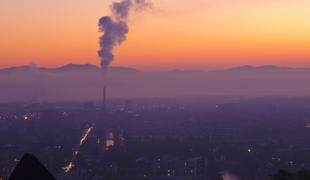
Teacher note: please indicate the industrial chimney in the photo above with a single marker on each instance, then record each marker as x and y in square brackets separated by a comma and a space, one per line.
[104, 99]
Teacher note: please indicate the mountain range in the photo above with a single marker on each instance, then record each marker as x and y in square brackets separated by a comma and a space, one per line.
[85, 81]
[93, 68]
[66, 68]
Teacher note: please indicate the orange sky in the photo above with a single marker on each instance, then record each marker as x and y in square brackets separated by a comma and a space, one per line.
[176, 34]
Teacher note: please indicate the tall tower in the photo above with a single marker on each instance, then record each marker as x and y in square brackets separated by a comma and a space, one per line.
[104, 99]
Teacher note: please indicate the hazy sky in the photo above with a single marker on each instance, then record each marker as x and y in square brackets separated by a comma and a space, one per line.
[176, 34]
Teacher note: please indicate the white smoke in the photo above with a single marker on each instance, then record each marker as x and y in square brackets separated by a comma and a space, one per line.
[115, 27]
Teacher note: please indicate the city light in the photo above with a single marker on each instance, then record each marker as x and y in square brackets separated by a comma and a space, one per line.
[85, 135]
[68, 167]
[71, 165]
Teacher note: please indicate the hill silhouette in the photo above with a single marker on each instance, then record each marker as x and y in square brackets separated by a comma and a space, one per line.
[30, 168]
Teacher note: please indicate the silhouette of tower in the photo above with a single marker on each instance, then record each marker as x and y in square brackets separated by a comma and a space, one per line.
[104, 99]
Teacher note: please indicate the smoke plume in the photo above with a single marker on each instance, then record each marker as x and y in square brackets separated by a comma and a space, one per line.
[115, 27]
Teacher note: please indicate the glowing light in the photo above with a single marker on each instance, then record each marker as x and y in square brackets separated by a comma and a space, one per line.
[109, 141]
[69, 167]
[84, 137]
[229, 176]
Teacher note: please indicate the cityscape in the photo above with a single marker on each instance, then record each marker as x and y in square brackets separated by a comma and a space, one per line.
[160, 138]
[154, 90]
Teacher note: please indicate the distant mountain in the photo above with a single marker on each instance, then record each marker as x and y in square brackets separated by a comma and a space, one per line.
[89, 68]
[67, 68]
[270, 68]
[241, 68]
[76, 67]
[85, 82]
[18, 69]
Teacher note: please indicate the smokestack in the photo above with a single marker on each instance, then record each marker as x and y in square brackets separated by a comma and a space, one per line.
[115, 27]
[104, 99]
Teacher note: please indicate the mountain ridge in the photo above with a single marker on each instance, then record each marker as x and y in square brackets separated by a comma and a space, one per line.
[118, 69]
[67, 68]
[245, 68]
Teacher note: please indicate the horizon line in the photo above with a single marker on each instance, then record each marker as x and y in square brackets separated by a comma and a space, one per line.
[173, 68]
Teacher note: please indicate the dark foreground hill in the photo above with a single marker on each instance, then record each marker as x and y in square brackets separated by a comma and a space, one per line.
[30, 168]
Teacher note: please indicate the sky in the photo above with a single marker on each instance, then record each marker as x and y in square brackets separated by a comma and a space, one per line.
[199, 34]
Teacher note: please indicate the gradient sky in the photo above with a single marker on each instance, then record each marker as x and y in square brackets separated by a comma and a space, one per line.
[176, 34]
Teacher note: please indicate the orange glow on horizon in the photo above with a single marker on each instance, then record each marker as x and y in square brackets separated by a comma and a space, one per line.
[181, 35]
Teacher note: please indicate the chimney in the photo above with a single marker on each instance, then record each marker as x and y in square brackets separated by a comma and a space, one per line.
[104, 99]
